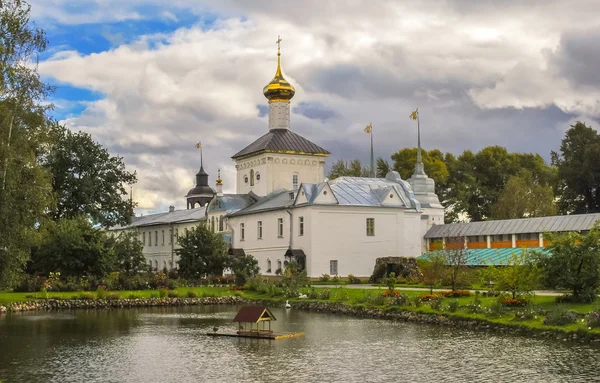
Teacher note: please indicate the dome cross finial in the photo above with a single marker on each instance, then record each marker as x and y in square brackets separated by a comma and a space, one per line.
[279, 40]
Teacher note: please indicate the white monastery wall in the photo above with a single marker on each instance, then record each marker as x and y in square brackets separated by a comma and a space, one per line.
[276, 172]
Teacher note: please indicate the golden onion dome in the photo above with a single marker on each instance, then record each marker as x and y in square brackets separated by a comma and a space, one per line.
[279, 89]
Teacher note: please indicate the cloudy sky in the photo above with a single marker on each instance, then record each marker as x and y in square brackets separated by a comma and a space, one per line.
[150, 78]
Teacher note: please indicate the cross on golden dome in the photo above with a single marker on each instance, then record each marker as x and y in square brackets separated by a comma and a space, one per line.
[279, 89]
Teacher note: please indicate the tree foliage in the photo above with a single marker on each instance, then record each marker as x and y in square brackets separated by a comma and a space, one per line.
[520, 274]
[578, 170]
[342, 168]
[524, 197]
[433, 160]
[383, 168]
[128, 253]
[24, 185]
[72, 247]
[432, 267]
[202, 253]
[243, 268]
[87, 179]
[455, 255]
[574, 263]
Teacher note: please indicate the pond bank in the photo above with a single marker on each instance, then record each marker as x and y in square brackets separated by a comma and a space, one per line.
[72, 304]
[394, 313]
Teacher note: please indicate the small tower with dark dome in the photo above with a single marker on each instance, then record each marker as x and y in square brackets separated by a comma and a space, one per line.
[202, 193]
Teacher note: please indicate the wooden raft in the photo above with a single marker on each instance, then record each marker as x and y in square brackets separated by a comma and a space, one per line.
[250, 316]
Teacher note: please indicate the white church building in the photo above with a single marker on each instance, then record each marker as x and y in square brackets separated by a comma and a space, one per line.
[284, 209]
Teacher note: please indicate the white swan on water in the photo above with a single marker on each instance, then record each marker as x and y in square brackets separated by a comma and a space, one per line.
[287, 304]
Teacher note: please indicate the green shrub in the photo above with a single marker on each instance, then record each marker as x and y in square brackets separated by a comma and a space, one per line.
[154, 295]
[453, 306]
[593, 319]
[43, 293]
[86, 296]
[324, 278]
[254, 283]
[436, 303]
[527, 313]
[163, 293]
[172, 284]
[352, 280]
[191, 294]
[496, 309]
[560, 317]
[134, 296]
[335, 279]
[390, 281]
[113, 296]
[401, 300]
[172, 294]
[474, 306]
[417, 301]
[101, 292]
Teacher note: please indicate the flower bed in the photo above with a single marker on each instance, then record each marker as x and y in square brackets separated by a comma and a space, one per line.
[513, 302]
[429, 297]
[455, 293]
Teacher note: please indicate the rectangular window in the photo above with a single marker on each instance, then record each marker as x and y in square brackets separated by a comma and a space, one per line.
[176, 235]
[295, 182]
[333, 267]
[144, 238]
[163, 237]
[280, 227]
[170, 236]
[259, 230]
[300, 225]
[370, 227]
[156, 238]
[242, 232]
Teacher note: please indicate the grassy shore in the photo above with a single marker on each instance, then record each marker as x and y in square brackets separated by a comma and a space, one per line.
[7, 297]
[542, 304]
[367, 298]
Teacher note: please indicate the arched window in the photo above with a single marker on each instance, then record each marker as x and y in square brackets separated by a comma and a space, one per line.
[155, 265]
[164, 264]
[268, 265]
[150, 262]
[279, 267]
[295, 181]
[220, 223]
[252, 177]
[212, 224]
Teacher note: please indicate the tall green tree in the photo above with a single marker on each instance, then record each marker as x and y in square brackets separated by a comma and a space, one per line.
[87, 179]
[476, 180]
[202, 253]
[74, 248]
[519, 274]
[342, 168]
[128, 253]
[243, 268]
[574, 263]
[24, 186]
[383, 168]
[523, 197]
[433, 160]
[578, 170]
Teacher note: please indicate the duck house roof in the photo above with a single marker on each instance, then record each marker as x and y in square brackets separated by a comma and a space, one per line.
[254, 314]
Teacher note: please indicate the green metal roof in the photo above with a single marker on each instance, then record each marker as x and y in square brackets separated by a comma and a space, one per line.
[487, 257]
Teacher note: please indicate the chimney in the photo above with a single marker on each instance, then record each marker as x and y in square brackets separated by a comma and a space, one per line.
[219, 184]
[171, 209]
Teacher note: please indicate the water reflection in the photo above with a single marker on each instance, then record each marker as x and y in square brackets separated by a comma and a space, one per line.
[169, 345]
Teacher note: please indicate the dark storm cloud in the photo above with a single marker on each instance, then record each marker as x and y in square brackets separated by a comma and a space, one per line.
[314, 110]
[577, 57]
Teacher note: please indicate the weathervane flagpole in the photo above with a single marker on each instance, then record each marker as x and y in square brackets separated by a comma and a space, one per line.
[369, 131]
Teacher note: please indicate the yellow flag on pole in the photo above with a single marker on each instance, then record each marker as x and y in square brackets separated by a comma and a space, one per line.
[414, 115]
[369, 128]
[198, 145]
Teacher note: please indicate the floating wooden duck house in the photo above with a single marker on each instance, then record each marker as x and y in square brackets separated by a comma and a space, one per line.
[255, 322]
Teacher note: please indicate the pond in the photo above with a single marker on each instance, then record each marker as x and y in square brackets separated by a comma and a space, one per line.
[169, 345]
